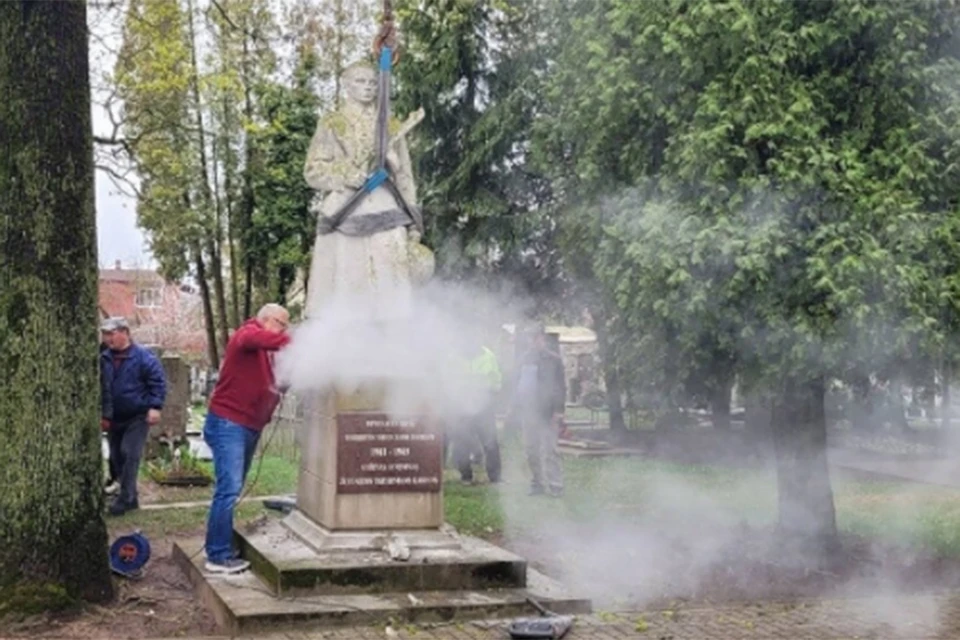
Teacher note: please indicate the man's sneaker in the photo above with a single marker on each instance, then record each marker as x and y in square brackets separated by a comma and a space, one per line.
[112, 489]
[227, 567]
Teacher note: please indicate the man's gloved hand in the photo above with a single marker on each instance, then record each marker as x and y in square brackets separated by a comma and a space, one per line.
[104, 424]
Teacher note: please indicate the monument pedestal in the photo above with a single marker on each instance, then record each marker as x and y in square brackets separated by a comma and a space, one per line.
[362, 469]
[367, 542]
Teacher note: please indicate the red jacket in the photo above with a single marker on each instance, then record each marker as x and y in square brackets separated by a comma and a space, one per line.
[245, 391]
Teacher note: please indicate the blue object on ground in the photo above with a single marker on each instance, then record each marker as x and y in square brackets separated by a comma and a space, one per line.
[129, 554]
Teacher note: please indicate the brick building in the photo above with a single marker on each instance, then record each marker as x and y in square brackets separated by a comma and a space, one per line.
[166, 314]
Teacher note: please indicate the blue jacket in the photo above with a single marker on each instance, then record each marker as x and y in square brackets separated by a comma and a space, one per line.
[138, 382]
[106, 384]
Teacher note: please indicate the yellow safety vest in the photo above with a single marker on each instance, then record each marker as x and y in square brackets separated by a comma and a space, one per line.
[485, 365]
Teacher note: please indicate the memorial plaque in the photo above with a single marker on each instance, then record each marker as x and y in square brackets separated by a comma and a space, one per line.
[380, 454]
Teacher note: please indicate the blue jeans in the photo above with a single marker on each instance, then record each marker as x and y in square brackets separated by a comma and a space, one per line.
[233, 446]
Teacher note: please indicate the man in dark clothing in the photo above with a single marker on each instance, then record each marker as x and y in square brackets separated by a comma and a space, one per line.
[106, 411]
[240, 407]
[138, 390]
[539, 402]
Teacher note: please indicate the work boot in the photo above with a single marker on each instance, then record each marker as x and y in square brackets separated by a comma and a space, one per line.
[119, 507]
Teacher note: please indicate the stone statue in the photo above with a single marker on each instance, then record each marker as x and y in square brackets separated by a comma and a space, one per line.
[376, 250]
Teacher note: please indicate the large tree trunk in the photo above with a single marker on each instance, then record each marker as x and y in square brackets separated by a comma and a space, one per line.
[807, 517]
[611, 375]
[53, 540]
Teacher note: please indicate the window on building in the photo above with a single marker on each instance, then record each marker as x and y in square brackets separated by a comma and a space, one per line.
[149, 297]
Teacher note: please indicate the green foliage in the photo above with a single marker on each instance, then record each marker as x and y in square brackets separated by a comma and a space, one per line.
[281, 232]
[472, 67]
[770, 176]
[177, 463]
[155, 91]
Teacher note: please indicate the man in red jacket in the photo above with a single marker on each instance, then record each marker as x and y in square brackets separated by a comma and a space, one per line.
[240, 407]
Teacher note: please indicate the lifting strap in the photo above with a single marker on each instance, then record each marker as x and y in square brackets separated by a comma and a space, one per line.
[380, 176]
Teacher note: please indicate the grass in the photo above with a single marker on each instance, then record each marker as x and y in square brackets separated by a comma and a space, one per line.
[275, 475]
[164, 523]
[632, 490]
[626, 490]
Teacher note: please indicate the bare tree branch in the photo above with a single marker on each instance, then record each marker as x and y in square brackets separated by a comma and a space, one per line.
[121, 181]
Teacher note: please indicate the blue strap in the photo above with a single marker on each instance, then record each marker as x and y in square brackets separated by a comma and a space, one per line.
[376, 179]
[386, 59]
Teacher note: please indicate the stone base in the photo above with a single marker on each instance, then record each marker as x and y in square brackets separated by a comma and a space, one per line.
[322, 540]
[249, 603]
[296, 557]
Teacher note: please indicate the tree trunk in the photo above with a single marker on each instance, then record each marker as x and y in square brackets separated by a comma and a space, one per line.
[228, 170]
[248, 201]
[807, 517]
[720, 403]
[861, 405]
[53, 540]
[611, 375]
[208, 322]
[946, 398]
[216, 267]
[212, 232]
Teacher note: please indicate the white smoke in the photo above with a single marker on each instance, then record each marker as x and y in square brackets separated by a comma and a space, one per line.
[420, 357]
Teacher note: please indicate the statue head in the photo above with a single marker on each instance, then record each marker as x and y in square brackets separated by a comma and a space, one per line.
[360, 82]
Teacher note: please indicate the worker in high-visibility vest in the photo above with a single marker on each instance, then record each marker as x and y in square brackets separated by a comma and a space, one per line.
[481, 423]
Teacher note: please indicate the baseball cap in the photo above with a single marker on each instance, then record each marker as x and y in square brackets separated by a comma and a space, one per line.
[114, 324]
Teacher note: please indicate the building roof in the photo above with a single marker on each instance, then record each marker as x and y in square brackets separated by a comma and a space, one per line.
[566, 334]
[131, 275]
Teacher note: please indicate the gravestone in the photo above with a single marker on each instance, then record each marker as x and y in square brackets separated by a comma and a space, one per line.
[173, 420]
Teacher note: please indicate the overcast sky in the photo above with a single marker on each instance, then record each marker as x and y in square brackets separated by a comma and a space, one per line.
[118, 237]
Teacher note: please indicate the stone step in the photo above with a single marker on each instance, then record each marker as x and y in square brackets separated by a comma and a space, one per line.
[245, 604]
[289, 566]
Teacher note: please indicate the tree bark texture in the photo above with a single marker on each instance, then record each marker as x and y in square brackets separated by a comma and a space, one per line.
[52, 532]
[807, 516]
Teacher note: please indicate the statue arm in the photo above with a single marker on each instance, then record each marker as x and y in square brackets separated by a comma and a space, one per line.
[323, 170]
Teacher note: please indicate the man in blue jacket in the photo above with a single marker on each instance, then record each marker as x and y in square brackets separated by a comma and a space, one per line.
[138, 391]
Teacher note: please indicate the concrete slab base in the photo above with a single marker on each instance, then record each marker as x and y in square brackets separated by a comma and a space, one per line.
[323, 540]
[247, 604]
[296, 557]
